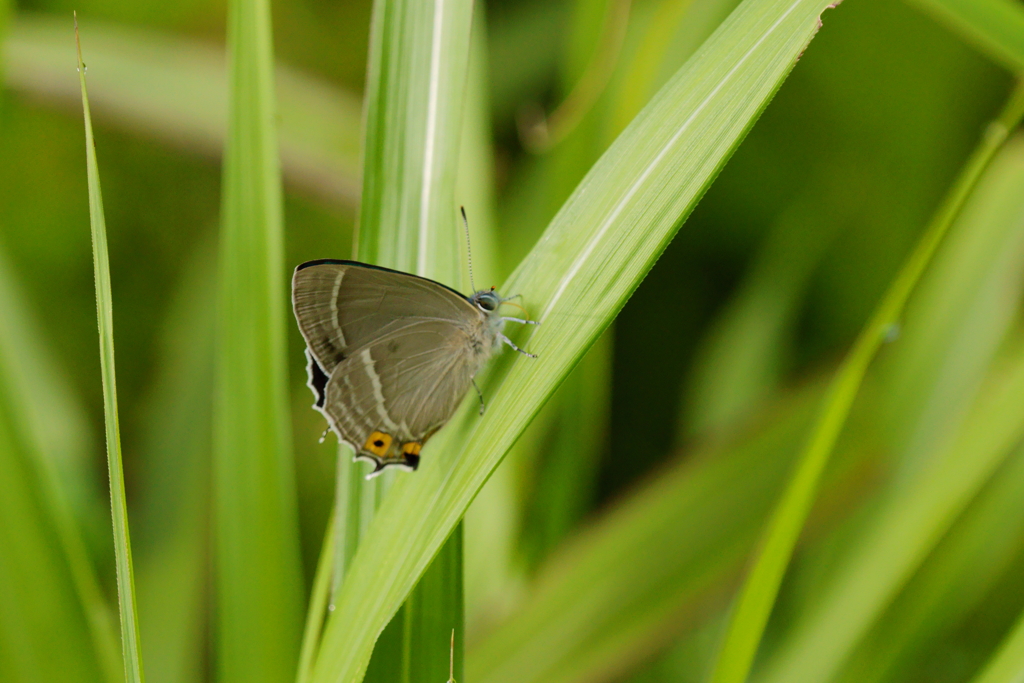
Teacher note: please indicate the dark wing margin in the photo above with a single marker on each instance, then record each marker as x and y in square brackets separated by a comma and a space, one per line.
[360, 264]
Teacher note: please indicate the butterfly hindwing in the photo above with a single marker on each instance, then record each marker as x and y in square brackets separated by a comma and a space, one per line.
[403, 386]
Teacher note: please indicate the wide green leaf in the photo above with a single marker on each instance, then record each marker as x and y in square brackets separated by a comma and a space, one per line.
[416, 89]
[258, 580]
[130, 646]
[590, 259]
[407, 221]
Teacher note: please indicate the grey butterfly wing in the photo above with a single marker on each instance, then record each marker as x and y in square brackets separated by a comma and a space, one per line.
[390, 354]
[399, 389]
[342, 306]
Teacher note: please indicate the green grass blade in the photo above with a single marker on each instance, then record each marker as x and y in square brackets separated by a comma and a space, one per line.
[968, 298]
[950, 585]
[922, 508]
[613, 594]
[174, 89]
[318, 601]
[416, 82]
[996, 27]
[904, 533]
[104, 310]
[757, 596]
[256, 557]
[414, 99]
[415, 91]
[1007, 664]
[652, 565]
[590, 259]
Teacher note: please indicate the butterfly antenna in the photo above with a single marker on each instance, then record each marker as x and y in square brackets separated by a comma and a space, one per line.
[469, 249]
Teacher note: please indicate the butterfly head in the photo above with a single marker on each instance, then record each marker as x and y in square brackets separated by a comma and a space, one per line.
[487, 300]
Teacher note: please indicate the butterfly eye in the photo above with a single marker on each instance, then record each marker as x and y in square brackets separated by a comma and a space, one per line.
[487, 303]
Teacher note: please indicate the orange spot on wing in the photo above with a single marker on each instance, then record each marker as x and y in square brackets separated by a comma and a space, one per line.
[378, 443]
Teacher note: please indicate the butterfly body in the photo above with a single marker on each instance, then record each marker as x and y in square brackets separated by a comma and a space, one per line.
[390, 354]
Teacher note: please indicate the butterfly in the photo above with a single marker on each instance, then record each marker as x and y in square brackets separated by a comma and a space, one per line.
[390, 354]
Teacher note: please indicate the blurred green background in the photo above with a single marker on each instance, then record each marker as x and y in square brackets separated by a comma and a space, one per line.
[727, 339]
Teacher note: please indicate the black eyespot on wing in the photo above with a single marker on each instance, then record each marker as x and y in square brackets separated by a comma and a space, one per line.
[411, 460]
[378, 443]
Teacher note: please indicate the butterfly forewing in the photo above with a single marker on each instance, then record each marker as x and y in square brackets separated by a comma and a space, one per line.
[341, 306]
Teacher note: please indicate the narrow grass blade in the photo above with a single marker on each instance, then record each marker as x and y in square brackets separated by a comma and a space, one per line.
[419, 52]
[904, 533]
[1007, 664]
[603, 603]
[318, 601]
[591, 258]
[104, 310]
[757, 596]
[915, 516]
[174, 89]
[654, 564]
[415, 94]
[965, 299]
[969, 298]
[256, 556]
[949, 587]
[996, 27]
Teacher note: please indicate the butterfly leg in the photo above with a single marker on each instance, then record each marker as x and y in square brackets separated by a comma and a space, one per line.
[520, 320]
[509, 342]
[480, 394]
[509, 298]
